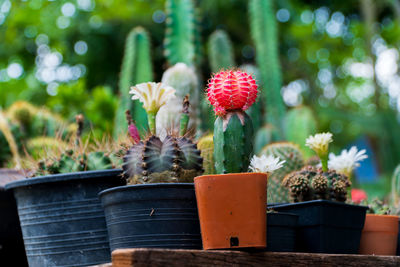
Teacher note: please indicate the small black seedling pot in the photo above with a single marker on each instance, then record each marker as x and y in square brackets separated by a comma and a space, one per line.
[152, 216]
[326, 226]
[281, 231]
[61, 217]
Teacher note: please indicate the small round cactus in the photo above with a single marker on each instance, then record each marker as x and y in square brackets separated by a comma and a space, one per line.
[299, 187]
[319, 184]
[231, 90]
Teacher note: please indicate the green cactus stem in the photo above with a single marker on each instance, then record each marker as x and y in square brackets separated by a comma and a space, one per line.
[233, 136]
[396, 187]
[184, 116]
[136, 68]
[206, 146]
[264, 33]
[300, 123]
[220, 51]
[180, 32]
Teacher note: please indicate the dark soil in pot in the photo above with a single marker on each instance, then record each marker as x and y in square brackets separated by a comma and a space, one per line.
[61, 217]
[152, 216]
[327, 226]
[281, 231]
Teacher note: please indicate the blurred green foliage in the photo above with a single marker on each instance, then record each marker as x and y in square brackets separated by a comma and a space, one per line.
[67, 55]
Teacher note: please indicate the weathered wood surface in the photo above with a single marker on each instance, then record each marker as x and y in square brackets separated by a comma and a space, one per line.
[167, 257]
[102, 265]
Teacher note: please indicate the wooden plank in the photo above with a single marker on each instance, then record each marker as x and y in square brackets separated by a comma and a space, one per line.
[170, 257]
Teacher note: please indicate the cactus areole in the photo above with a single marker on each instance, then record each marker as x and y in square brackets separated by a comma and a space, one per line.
[231, 93]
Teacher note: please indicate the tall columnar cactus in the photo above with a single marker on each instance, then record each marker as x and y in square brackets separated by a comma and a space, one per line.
[396, 188]
[183, 79]
[153, 160]
[265, 135]
[206, 146]
[294, 161]
[299, 124]
[179, 42]
[265, 37]
[220, 51]
[136, 68]
[231, 93]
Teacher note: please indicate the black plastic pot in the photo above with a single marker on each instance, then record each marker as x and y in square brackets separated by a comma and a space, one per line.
[61, 217]
[12, 251]
[327, 226]
[152, 216]
[281, 231]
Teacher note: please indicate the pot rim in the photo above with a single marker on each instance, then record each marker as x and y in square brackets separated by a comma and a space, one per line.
[383, 215]
[62, 177]
[322, 201]
[142, 186]
[230, 174]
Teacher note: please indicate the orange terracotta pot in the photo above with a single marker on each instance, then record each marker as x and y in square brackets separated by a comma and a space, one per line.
[379, 236]
[232, 210]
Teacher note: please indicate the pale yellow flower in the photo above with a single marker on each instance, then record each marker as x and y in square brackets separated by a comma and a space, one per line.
[347, 161]
[320, 143]
[152, 95]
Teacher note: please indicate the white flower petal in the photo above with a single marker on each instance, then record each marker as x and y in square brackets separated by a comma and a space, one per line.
[347, 161]
[265, 164]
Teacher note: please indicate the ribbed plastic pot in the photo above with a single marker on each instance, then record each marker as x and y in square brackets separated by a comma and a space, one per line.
[326, 226]
[281, 231]
[61, 217]
[152, 216]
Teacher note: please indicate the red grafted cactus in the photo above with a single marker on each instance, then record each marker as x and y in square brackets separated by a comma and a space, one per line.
[231, 90]
[231, 93]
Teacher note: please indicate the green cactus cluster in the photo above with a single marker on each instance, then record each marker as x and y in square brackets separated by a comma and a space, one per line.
[206, 146]
[300, 123]
[136, 68]
[263, 28]
[233, 142]
[220, 51]
[294, 160]
[377, 206]
[312, 183]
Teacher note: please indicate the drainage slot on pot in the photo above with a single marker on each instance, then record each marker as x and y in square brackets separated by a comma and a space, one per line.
[234, 241]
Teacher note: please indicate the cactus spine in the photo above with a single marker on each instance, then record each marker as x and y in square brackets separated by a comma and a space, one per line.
[300, 123]
[220, 51]
[180, 38]
[206, 146]
[136, 68]
[231, 93]
[264, 34]
[294, 161]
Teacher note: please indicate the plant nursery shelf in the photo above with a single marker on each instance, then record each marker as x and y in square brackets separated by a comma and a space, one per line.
[171, 257]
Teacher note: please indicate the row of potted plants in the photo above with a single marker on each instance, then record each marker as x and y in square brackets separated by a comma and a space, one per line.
[73, 216]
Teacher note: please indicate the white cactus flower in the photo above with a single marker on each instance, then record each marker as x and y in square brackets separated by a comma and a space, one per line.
[319, 143]
[265, 164]
[347, 161]
[152, 95]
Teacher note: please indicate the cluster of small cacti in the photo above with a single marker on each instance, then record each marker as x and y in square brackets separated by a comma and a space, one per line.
[153, 160]
[312, 183]
[377, 206]
[231, 93]
[74, 157]
[294, 161]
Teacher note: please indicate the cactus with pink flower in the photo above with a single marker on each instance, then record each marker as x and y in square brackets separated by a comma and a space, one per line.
[231, 93]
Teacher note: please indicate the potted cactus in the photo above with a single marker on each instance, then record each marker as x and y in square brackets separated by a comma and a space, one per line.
[380, 232]
[326, 223]
[232, 204]
[60, 214]
[158, 207]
